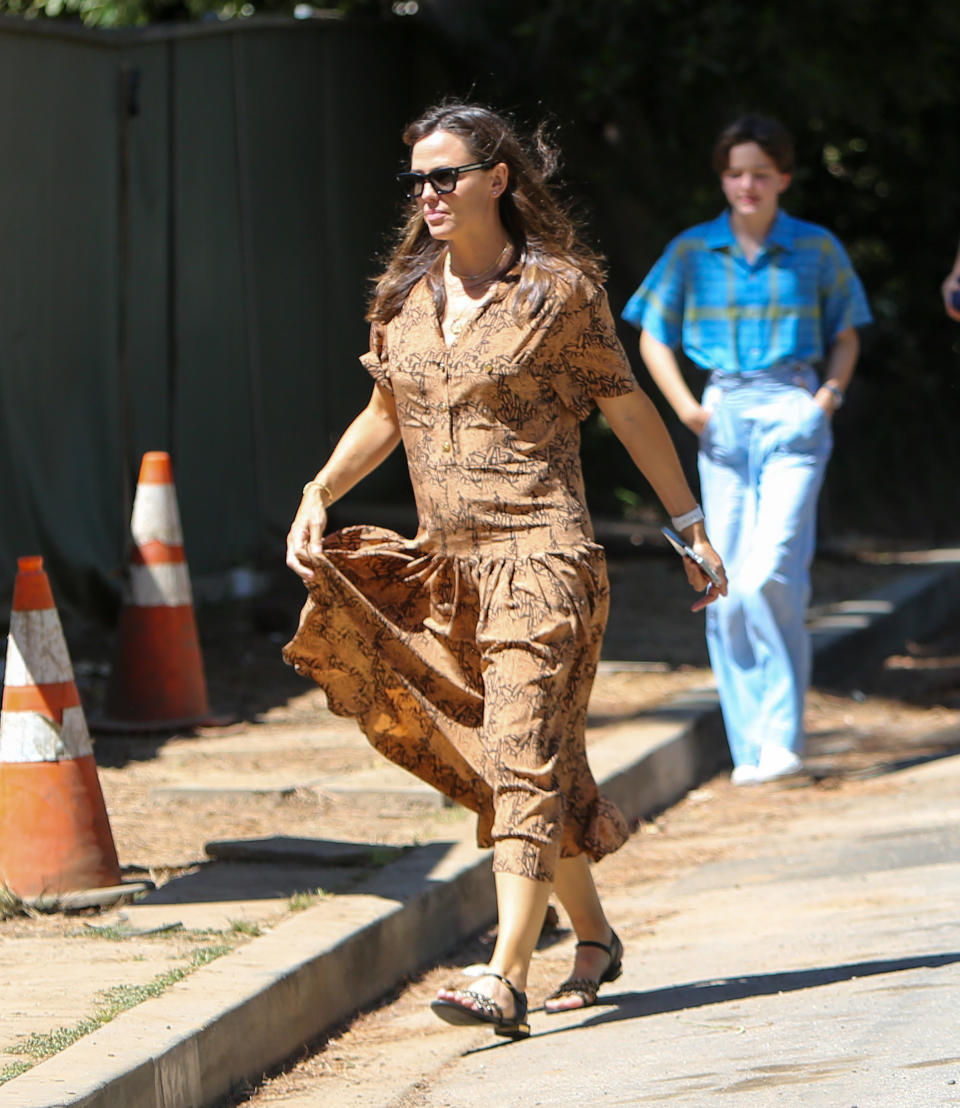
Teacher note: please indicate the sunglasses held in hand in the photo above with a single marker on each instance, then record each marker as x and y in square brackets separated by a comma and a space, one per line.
[443, 180]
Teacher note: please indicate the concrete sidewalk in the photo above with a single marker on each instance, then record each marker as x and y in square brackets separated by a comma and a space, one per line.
[252, 1008]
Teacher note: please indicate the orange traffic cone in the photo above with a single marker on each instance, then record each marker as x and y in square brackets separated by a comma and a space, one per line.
[157, 682]
[55, 837]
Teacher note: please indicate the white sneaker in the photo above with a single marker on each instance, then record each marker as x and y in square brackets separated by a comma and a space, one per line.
[744, 775]
[776, 762]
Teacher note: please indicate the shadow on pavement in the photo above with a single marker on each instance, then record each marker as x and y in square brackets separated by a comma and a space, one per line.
[282, 875]
[883, 768]
[835, 754]
[701, 994]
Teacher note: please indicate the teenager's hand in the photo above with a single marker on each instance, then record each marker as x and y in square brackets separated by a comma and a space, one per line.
[826, 400]
[696, 418]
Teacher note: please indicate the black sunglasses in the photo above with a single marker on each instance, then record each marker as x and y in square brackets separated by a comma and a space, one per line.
[443, 179]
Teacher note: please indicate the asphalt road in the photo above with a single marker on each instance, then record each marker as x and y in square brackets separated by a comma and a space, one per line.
[811, 958]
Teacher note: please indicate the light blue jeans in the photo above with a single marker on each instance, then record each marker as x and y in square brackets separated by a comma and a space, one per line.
[762, 459]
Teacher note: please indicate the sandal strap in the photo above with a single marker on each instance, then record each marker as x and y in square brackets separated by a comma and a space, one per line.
[600, 946]
[577, 986]
[485, 1004]
[587, 987]
[519, 998]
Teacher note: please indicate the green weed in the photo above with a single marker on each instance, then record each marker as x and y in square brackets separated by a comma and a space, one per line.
[11, 905]
[300, 901]
[112, 1001]
[245, 927]
[207, 954]
[120, 932]
[42, 1045]
[14, 1069]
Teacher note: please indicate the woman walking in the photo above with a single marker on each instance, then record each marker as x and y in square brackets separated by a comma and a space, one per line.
[467, 653]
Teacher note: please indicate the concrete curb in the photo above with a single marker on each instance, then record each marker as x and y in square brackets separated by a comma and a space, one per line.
[252, 1009]
[849, 636]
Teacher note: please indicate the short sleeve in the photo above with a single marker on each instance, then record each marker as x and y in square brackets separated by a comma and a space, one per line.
[843, 299]
[376, 361]
[658, 304]
[586, 359]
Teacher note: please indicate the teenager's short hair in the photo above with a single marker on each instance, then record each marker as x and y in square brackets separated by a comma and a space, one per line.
[768, 133]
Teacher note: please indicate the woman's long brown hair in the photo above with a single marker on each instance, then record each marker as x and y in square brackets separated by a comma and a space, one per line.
[541, 229]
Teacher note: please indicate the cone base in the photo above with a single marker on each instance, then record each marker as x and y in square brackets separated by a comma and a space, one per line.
[104, 897]
[157, 682]
[54, 832]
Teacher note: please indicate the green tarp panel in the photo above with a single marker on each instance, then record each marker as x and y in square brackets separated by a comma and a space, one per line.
[190, 219]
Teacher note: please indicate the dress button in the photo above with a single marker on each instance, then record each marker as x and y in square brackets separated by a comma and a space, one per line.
[446, 448]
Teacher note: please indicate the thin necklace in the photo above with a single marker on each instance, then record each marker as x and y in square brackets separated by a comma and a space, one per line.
[484, 273]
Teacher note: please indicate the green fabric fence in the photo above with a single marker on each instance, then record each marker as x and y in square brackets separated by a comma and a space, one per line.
[189, 220]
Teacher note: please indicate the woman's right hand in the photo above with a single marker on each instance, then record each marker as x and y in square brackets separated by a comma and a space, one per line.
[362, 447]
[304, 539]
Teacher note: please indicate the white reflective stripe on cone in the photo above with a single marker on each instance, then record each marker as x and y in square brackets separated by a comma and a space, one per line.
[37, 635]
[155, 516]
[160, 586]
[31, 737]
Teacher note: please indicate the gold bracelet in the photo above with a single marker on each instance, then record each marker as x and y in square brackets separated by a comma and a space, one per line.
[323, 490]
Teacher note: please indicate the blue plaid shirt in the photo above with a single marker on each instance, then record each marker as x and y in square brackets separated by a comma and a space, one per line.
[739, 317]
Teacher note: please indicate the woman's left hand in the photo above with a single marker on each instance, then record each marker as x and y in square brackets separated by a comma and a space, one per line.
[699, 580]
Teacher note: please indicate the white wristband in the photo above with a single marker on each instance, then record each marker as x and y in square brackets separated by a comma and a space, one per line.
[688, 519]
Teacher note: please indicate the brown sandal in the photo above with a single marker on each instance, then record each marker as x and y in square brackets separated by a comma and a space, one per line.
[585, 987]
[487, 1011]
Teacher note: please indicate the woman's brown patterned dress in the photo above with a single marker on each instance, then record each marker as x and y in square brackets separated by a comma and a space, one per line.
[467, 653]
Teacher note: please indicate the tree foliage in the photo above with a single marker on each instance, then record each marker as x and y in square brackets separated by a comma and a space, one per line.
[640, 89]
[138, 13]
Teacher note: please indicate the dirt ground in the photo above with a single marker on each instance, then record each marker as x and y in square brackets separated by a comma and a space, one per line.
[284, 735]
[166, 795]
[285, 739]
